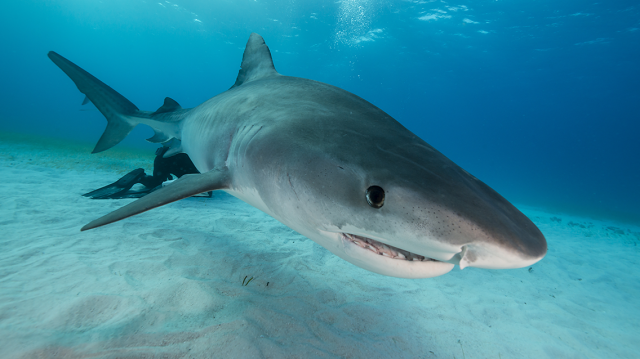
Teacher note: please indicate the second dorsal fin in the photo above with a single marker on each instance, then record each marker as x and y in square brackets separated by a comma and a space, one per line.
[256, 61]
[169, 105]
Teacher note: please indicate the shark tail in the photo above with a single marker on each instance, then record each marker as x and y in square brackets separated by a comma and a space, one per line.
[121, 114]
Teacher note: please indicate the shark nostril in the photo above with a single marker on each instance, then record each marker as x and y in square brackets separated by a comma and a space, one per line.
[466, 257]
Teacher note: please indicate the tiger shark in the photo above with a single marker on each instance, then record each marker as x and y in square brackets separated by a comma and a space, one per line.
[329, 165]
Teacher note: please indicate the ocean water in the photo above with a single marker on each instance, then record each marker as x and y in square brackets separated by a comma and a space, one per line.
[538, 99]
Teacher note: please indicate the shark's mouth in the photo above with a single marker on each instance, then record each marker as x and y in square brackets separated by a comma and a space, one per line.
[385, 249]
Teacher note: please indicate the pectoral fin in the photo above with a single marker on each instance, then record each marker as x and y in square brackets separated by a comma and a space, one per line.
[186, 186]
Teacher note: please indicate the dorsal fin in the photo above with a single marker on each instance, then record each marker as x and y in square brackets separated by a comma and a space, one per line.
[256, 61]
[169, 105]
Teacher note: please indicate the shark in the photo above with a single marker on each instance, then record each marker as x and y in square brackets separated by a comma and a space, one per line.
[327, 164]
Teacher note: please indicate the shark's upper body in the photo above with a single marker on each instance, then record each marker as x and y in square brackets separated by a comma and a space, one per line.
[331, 166]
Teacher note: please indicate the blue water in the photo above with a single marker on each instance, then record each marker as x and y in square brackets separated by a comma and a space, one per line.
[539, 99]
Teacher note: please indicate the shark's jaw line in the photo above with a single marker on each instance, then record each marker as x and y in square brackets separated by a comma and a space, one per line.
[383, 249]
[379, 257]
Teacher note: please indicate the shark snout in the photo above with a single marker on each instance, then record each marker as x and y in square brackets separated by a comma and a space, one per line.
[493, 257]
[488, 230]
[514, 243]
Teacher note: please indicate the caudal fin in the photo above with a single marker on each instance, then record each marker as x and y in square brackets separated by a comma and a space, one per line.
[116, 108]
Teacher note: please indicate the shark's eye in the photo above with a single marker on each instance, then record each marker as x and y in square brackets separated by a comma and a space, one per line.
[375, 196]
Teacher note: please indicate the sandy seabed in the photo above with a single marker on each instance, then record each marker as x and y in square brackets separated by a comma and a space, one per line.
[168, 283]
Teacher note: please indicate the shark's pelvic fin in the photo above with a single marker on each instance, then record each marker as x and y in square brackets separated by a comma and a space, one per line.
[159, 137]
[170, 105]
[256, 62]
[175, 147]
[185, 186]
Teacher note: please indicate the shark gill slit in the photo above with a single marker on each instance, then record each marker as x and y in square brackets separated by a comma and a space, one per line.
[248, 141]
[228, 148]
[291, 184]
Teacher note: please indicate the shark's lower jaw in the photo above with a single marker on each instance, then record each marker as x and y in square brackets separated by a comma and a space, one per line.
[385, 249]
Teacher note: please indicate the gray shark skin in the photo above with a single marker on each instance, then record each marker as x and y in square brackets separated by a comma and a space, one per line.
[329, 165]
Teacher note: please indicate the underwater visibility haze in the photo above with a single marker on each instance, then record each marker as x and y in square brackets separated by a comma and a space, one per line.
[539, 100]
